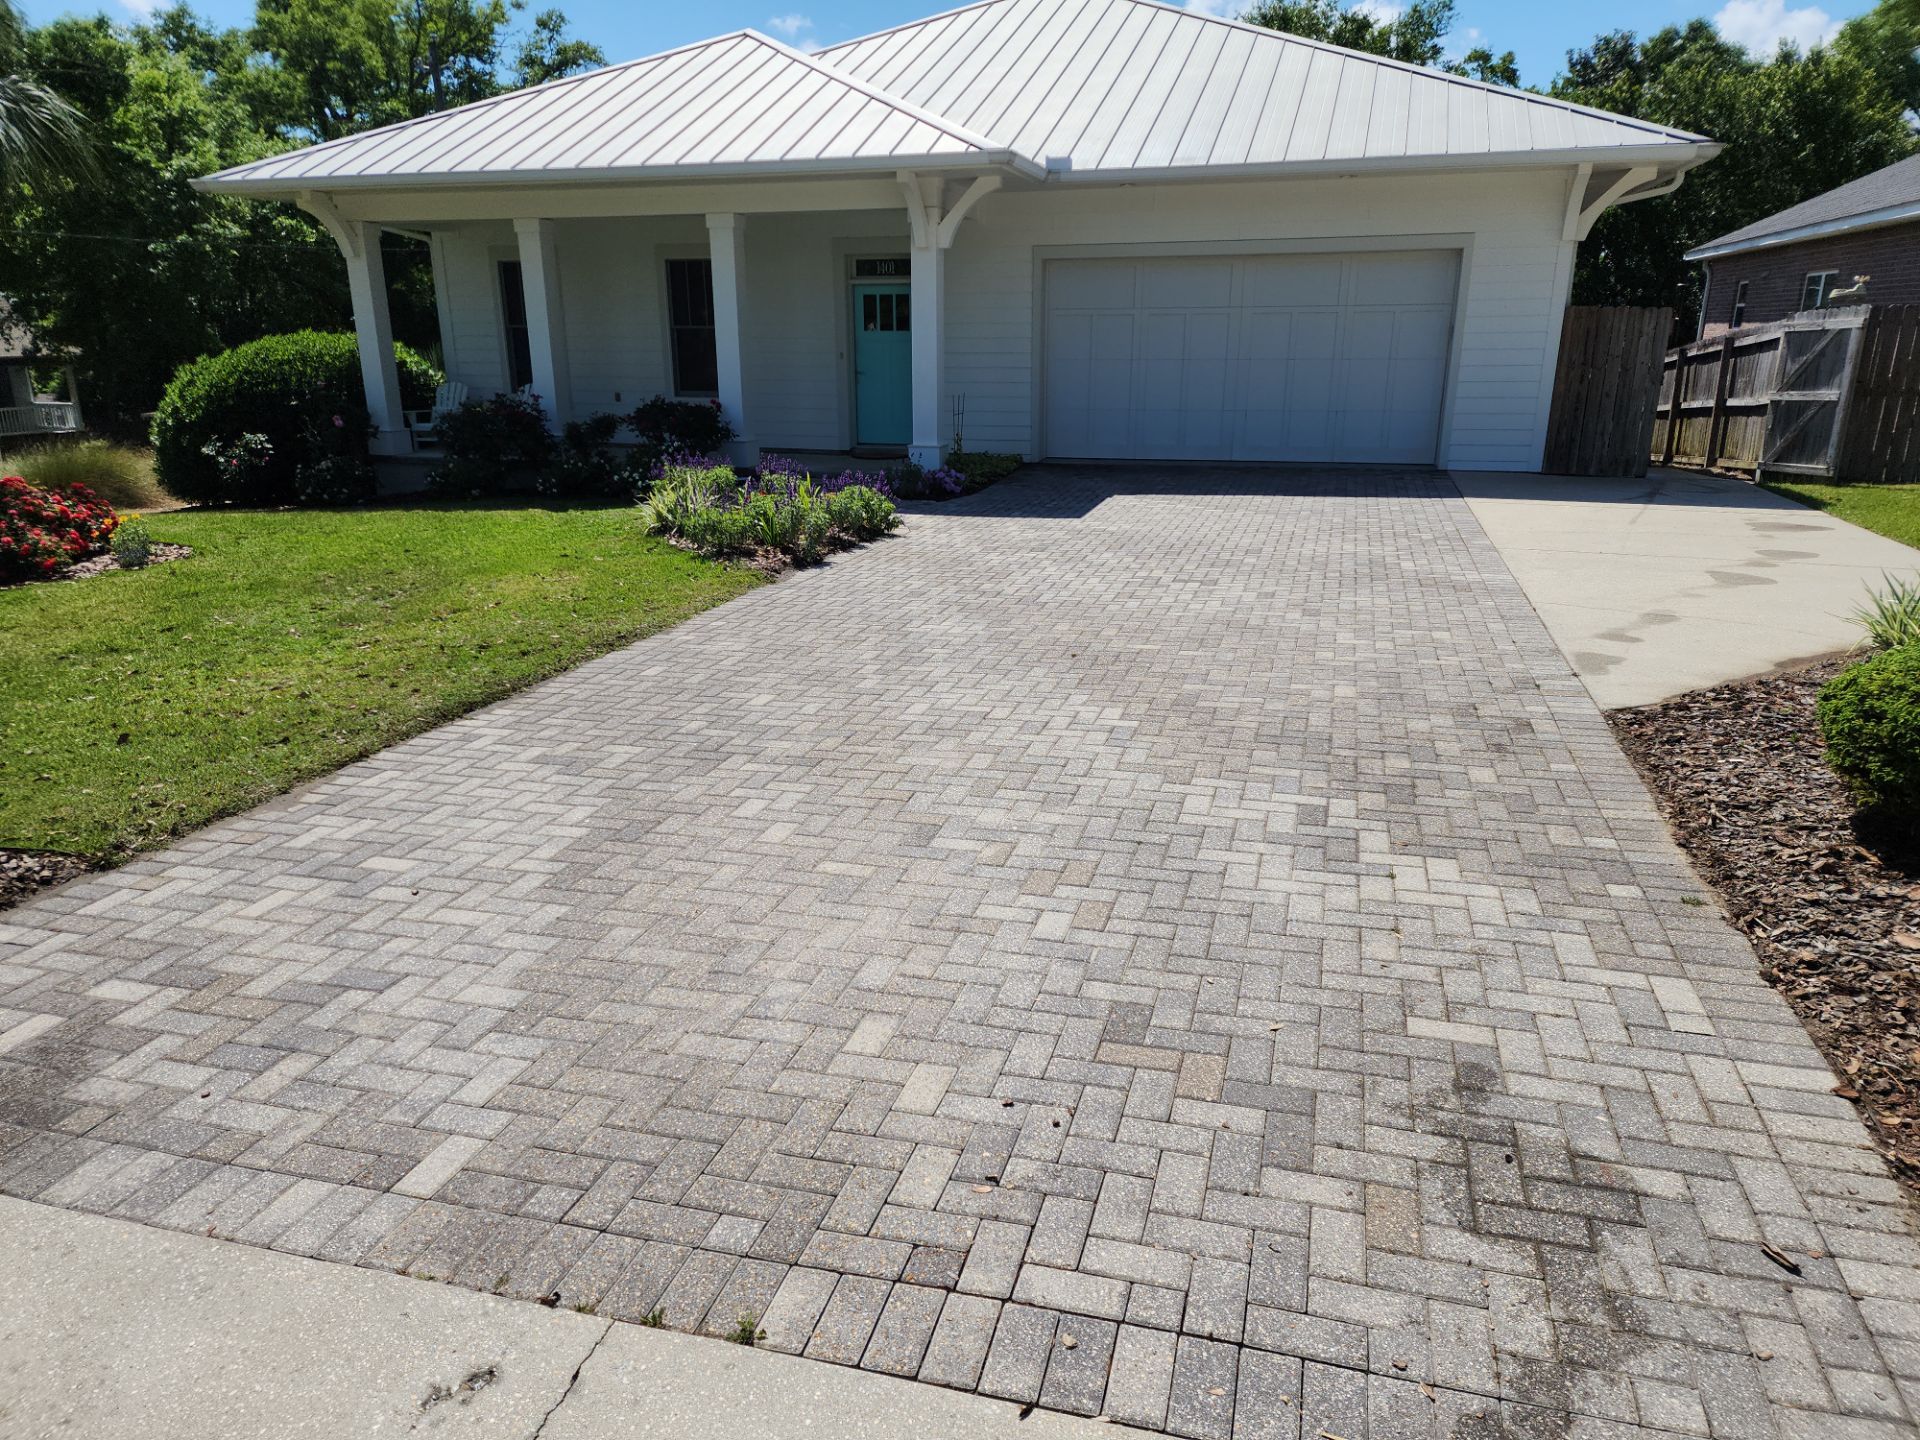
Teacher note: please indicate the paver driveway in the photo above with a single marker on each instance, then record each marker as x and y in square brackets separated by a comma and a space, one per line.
[1178, 948]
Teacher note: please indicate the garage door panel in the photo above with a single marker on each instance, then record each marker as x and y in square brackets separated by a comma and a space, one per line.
[1209, 367]
[1286, 281]
[1403, 278]
[1186, 284]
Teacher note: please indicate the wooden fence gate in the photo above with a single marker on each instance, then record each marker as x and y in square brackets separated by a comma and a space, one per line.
[1827, 393]
[1604, 388]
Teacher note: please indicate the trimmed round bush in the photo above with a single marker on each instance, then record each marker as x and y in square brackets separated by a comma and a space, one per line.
[282, 389]
[1870, 718]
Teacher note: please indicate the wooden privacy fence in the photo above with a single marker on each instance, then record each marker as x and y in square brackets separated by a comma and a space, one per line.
[1604, 388]
[1828, 393]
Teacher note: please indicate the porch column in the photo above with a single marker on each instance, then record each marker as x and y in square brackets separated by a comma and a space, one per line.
[373, 327]
[928, 289]
[546, 321]
[727, 248]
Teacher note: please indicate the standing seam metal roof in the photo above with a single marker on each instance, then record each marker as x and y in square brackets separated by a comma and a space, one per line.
[1107, 87]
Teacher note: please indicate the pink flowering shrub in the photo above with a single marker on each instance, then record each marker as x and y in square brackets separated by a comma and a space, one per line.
[43, 530]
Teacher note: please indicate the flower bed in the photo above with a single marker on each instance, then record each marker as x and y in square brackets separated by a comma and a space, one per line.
[44, 531]
[776, 516]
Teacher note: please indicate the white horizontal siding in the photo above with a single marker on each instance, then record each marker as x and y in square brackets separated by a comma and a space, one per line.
[612, 290]
[1508, 323]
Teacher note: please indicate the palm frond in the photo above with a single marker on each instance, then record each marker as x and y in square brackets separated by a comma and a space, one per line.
[41, 135]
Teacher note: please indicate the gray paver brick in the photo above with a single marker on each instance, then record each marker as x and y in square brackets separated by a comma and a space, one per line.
[1200, 1402]
[1142, 1377]
[1017, 1360]
[1077, 1365]
[906, 1324]
[1203, 904]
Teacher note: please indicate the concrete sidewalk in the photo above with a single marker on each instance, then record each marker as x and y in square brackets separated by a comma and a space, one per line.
[1657, 586]
[110, 1329]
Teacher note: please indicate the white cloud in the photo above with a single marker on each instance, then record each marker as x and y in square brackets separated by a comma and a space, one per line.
[140, 9]
[1758, 26]
[1213, 7]
[1381, 12]
[791, 25]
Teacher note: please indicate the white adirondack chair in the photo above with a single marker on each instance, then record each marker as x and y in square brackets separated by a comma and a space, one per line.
[448, 398]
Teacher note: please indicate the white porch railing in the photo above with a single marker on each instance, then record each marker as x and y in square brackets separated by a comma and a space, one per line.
[43, 417]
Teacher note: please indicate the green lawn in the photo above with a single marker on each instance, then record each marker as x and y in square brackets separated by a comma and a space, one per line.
[136, 705]
[1892, 510]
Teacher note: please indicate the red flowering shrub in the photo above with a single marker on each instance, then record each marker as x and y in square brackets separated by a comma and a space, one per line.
[41, 530]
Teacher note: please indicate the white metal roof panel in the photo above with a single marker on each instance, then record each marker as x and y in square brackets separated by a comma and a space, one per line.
[1110, 88]
[741, 100]
[1170, 95]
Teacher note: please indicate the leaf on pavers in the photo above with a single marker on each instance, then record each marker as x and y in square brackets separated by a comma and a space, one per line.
[983, 1189]
[1781, 1258]
[1067, 1342]
[1027, 1409]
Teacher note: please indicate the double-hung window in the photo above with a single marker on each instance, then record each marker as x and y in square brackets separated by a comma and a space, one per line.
[1819, 284]
[513, 309]
[696, 368]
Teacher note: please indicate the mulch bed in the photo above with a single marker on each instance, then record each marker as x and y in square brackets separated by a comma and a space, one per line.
[1832, 908]
[24, 873]
[103, 562]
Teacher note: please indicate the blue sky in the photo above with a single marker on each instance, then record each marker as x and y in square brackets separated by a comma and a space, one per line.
[1539, 34]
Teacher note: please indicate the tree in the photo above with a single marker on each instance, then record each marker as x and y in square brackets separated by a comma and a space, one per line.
[1793, 125]
[137, 271]
[547, 54]
[355, 64]
[41, 135]
[1415, 34]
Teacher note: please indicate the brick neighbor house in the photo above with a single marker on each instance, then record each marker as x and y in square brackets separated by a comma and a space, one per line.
[1865, 233]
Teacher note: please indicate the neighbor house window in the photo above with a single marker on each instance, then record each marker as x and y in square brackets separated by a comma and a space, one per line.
[696, 370]
[1819, 285]
[513, 306]
[1739, 303]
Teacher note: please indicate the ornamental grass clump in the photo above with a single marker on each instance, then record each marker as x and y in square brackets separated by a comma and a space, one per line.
[1891, 617]
[44, 531]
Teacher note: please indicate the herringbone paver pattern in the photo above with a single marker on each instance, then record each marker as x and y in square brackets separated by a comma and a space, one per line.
[1181, 948]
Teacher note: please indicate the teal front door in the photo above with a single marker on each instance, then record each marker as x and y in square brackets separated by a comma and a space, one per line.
[882, 365]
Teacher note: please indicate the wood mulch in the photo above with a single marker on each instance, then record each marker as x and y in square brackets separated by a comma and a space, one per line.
[24, 873]
[1832, 908]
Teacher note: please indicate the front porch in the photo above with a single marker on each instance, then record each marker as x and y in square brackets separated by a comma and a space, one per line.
[813, 313]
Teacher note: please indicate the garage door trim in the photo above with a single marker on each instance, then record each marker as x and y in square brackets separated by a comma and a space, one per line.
[1460, 244]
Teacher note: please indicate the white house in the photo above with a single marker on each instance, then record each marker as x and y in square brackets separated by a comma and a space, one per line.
[1092, 228]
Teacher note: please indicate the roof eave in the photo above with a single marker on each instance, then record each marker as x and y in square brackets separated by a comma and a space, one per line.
[288, 186]
[1798, 234]
[1676, 155]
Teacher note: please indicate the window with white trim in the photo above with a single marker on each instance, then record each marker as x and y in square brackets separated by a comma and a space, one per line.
[1739, 303]
[696, 364]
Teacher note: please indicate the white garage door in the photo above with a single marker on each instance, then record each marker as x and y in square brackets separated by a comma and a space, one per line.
[1249, 357]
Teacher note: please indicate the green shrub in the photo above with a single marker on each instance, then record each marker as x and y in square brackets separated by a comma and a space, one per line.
[279, 387]
[714, 531]
[684, 490]
[862, 513]
[1870, 718]
[491, 446]
[1891, 617]
[982, 467]
[674, 432]
[118, 474]
[132, 543]
[587, 465]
